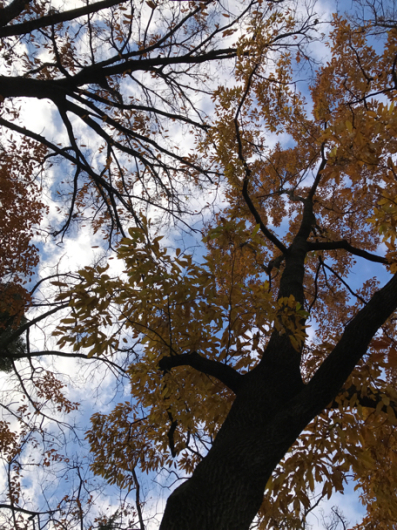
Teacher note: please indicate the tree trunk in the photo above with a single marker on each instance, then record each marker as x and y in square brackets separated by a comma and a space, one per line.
[271, 409]
[226, 489]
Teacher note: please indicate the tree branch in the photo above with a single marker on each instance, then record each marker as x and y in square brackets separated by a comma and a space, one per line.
[337, 367]
[368, 401]
[12, 10]
[54, 18]
[29, 512]
[144, 108]
[266, 232]
[18, 332]
[316, 182]
[345, 245]
[308, 219]
[65, 354]
[224, 373]
[342, 281]
[57, 89]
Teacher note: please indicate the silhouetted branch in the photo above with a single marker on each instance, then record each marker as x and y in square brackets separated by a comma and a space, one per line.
[54, 18]
[345, 245]
[224, 373]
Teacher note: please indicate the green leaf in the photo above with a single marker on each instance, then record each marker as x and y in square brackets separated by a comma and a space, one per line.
[256, 230]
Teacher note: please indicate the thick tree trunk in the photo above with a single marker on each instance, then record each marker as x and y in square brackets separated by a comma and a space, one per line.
[226, 489]
[271, 409]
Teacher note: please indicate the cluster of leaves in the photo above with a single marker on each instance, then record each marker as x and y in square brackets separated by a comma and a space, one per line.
[290, 319]
[157, 302]
[12, 304]
[21, 212]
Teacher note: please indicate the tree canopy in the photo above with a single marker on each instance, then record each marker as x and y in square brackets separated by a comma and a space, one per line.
[117, 76]
[262, 371]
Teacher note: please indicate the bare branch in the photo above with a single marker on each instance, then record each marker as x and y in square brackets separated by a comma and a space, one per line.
[224, 373]
[54, 18]
[345, 245]
[58, 353]
[18, 332]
